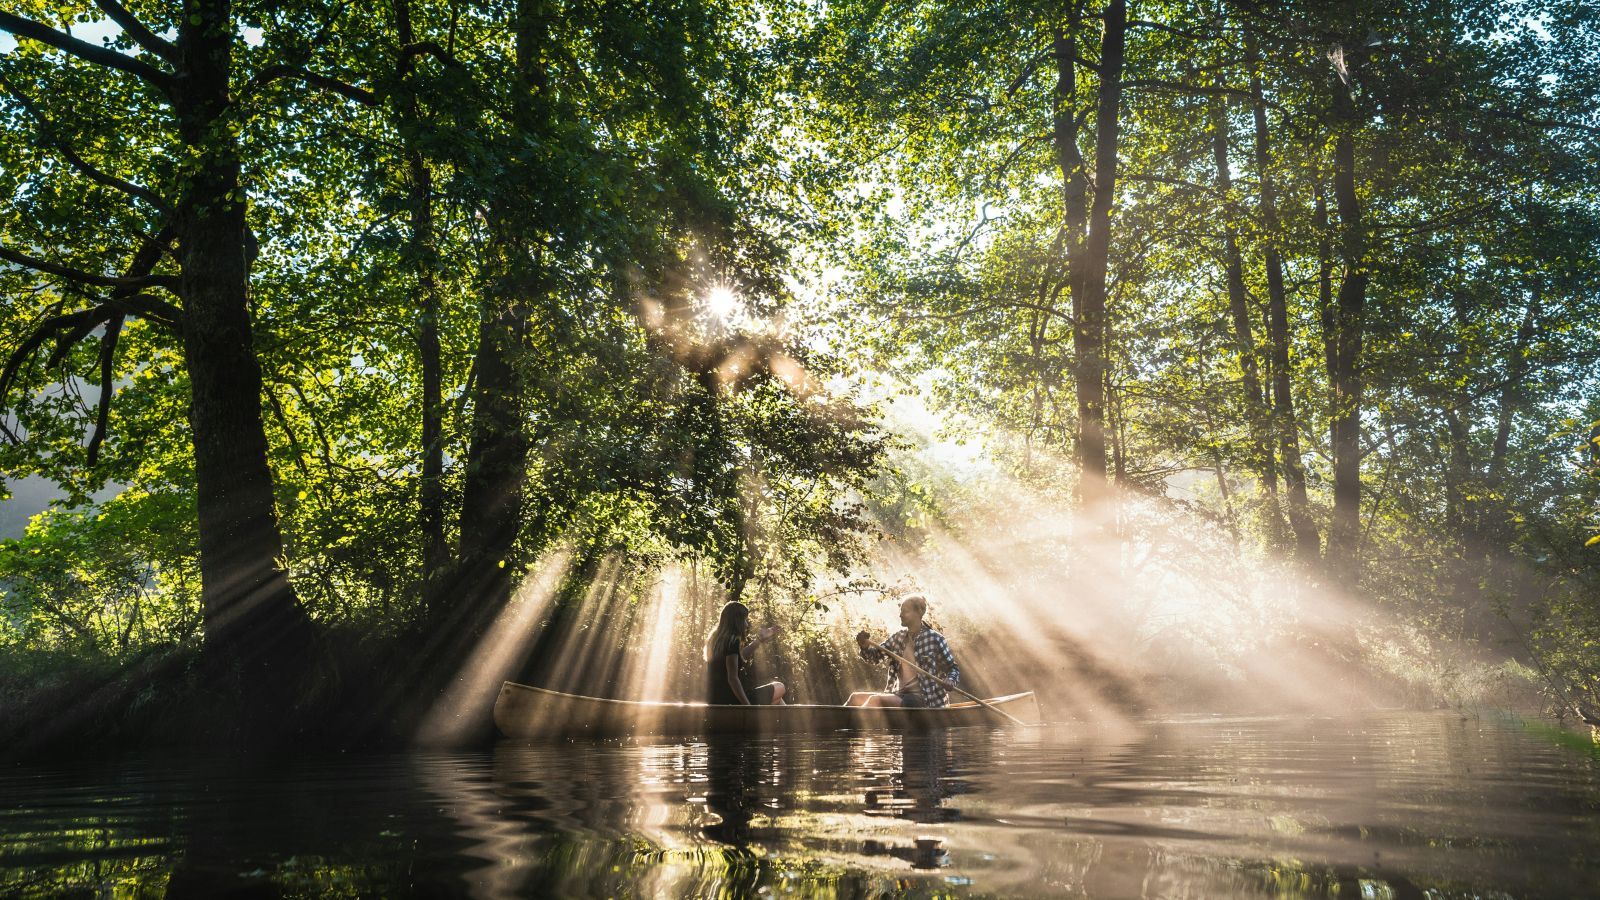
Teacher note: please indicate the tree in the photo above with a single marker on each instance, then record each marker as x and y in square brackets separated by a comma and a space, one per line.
[197, 248]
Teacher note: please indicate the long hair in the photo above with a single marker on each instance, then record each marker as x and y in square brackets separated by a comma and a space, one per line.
[735, 620]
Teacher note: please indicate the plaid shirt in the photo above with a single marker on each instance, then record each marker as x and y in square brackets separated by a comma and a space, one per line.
[931, 652]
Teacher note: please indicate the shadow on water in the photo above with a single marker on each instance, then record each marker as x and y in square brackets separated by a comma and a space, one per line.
[1400, 806]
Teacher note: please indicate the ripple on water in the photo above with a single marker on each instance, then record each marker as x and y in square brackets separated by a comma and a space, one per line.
[1398, 805]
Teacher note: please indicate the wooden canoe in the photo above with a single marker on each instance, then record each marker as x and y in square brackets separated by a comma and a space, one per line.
[522, 711]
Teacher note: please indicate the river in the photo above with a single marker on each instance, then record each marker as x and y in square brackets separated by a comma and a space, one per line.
[1390, 805]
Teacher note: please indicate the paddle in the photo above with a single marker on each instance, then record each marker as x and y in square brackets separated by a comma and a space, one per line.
[973, 697]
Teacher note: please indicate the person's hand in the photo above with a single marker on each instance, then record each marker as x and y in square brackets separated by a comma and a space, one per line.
[769, 632]
[863, 638]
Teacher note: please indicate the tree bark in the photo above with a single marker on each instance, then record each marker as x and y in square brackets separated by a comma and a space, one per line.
[1285, 424]
[1462, 494]
[1074, 200]
[1325, 313]
[1510, 399]
[1463, 566]
[1088, 223]
[435, 554]
[1459, 471]
[1257, 415]
[1494, 525]
[1345, 370]
[430, 504]
[1118, 432]
[251, 615]
[497, 455]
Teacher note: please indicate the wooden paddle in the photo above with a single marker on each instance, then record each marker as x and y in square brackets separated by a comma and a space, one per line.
[973, 697]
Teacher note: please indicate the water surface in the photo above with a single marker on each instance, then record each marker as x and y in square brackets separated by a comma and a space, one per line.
[1401, 805]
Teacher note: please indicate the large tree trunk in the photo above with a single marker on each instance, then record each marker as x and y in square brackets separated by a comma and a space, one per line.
[430, 505]
[1510, 400]
[1089, 226]
[251, 615]
[1074, 200]
[1460, 495]
[1258, 416]
[497, 456]
[1494, 525]
[1464, 567]
[1345, 371]
[430, 514]
[1463, 496]
[1285, 424]
[1326, 317]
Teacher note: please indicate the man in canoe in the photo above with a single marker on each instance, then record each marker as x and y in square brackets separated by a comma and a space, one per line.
[727, 655]
[916, 643]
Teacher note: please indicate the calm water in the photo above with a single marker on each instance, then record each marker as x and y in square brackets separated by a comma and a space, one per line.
[1392, 806]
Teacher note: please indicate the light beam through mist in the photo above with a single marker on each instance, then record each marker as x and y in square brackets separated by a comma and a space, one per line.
[646, 675]
[470, 698]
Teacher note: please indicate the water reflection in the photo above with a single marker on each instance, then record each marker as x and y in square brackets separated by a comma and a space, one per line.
[921, 853]
[733, 773]
[916, 789]
[1402, 806]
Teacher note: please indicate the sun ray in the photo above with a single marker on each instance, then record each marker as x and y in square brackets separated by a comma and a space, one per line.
[467, 702]
[650, 663]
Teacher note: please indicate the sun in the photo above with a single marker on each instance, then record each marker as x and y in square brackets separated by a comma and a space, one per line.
[722, 304]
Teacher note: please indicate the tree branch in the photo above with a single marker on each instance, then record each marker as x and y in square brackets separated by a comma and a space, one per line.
[70, 328]
[84, 50]
[150, 308]
[1203, 189]
[1027, 72]
[1170, 29]
[996, 176]
[112, 181]
[427, 48]
[983, 219]
[144, 37]
[84, 325]
[46, 330]
[324, 32]
[1543, 123]
[71, 274]
[348, 91]
[1178, 87]
[108, 355]
[288, 430]
[1042, 309]
[47, 131]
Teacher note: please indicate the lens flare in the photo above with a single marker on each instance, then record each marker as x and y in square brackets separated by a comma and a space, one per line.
[722, 304]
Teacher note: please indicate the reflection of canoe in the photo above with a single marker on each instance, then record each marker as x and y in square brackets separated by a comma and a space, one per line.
[523, 711]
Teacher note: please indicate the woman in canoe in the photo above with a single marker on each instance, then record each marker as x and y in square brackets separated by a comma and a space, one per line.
[916, 642]
[727, 656]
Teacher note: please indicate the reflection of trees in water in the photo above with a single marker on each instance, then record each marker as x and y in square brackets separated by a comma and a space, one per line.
[922, 853]
[232, 827]
[97, 854]
[836, 814]
[257, 828]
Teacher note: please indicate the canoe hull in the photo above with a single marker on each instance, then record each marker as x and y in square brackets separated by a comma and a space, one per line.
[522, 711]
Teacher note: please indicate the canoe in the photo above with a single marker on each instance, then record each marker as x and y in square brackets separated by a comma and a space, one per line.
[522, 711]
